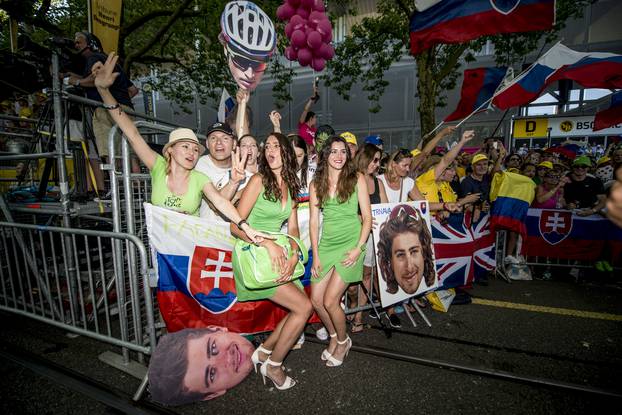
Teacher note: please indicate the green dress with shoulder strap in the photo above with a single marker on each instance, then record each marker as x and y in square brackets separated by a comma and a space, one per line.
[269, 216]
[341, 230]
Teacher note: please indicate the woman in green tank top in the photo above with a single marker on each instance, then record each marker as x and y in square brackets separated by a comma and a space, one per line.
[266, 203]
[339, 191]
[175, 184]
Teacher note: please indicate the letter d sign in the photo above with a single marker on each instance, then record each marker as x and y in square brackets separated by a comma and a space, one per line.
[530, 126]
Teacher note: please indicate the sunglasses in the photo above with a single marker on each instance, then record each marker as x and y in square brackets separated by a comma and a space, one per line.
[243, 63]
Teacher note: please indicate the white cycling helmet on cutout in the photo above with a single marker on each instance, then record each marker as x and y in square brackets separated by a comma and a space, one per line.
[246, 29]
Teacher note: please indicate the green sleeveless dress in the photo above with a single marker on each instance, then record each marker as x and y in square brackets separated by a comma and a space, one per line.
[265, 216]
[341, 229]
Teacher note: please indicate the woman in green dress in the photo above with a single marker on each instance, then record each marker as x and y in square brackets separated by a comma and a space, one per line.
[266, 203]
[339, 191]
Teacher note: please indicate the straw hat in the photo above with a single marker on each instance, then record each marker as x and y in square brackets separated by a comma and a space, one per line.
[183, 134]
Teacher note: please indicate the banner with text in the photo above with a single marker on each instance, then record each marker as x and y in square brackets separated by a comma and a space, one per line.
[195, 277]
[561, 127]
[106, 22]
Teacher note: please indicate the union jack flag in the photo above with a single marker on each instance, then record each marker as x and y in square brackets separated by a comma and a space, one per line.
[464, 249]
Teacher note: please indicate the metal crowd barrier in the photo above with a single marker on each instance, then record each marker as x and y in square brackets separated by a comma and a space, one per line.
[74, 279]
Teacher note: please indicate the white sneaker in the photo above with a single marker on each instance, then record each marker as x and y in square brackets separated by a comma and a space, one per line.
[300, 342]
[322, 334]
[510, 260]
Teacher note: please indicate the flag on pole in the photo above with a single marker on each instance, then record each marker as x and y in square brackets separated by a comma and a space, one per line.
[591, 69]
[610, 116]
[226, 105]
[478, 86]
[456, 21]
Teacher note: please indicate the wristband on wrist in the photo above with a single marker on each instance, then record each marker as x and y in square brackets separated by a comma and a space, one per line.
[111, 107]
[242, 222]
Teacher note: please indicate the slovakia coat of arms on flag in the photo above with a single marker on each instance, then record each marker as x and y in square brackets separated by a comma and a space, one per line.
[555, 225]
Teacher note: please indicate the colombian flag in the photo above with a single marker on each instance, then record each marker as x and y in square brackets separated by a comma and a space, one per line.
[512, 194]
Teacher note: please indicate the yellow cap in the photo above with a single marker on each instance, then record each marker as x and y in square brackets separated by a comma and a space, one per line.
[415, 152]
[478, 157]
[602, 160]
[349, 137]
[25, 112]
[546, 164]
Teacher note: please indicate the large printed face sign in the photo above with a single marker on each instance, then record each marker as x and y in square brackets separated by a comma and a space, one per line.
[249, 39]
[198, 364]
[405, 255]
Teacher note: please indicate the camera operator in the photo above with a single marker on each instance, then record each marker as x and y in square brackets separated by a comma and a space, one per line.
[89, 46]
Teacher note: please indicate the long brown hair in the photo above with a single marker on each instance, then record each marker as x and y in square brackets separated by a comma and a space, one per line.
[364, 157]
[347, 175]
[288, 171]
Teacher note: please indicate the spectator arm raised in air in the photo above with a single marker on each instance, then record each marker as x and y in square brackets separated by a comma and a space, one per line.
[140, 147]
[452, 154]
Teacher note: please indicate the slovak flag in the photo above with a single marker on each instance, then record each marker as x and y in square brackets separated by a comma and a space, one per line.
[478, 86]
[590, 69]
[456, 21]
[610, 116]
[196, 287]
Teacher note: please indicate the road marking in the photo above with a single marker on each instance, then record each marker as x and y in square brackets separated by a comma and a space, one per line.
[550, 310]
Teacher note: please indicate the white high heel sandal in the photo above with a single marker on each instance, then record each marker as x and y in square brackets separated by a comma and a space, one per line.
[332, 362]
[289, 382]
[325, 353]
[255, 355]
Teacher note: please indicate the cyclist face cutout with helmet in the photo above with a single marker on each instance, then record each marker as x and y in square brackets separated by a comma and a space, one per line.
[249, 39]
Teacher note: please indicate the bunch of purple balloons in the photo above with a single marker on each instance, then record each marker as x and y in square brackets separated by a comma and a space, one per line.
[309, 32]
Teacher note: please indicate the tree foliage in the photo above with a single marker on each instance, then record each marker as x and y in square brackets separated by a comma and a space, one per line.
[380, 40]
[179, 39]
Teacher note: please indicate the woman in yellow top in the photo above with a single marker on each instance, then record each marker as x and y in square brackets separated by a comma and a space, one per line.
[434, 183]
[175, 184]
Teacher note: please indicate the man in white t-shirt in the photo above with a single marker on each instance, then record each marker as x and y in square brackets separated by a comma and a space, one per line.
[221, 165]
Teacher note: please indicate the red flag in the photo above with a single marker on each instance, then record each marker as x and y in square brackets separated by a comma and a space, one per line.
[612, 115]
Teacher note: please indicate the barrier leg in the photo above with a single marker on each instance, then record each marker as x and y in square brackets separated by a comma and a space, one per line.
[500, 245]
[420, 311]
[141, 388]
[410, 316]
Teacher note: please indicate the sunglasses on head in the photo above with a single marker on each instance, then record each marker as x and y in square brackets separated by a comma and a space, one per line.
[243, 63]
[401, 154]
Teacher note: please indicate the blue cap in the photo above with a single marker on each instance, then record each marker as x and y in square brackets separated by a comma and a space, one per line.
[374, 139]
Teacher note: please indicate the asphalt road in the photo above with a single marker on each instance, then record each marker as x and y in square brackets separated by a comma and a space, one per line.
[554, 331]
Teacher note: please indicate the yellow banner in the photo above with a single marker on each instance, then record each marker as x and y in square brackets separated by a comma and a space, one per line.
[531, 128]
[106, 22]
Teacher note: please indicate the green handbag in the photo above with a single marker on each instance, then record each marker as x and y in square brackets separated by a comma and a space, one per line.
[255, 265]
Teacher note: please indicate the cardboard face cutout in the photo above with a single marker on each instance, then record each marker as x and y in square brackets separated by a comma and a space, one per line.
[249, 39]
[198, 364]
[404, 251]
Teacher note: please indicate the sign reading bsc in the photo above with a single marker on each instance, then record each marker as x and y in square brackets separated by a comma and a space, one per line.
[560, 127]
